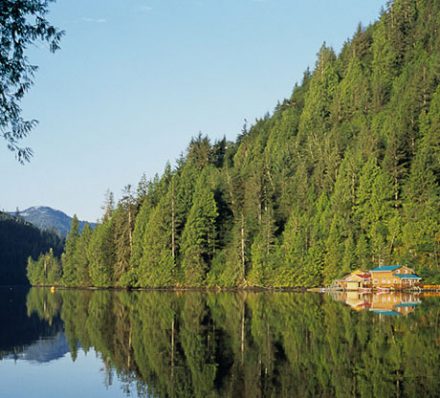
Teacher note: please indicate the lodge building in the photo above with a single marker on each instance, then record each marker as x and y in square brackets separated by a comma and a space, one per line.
[394, 277]
[385, 277]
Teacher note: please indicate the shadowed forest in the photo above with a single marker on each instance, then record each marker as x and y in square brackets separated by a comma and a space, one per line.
[344, 174]
[19, 240]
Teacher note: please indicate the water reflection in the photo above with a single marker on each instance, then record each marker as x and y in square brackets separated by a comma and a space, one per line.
[44, 349]
[386, 303]
[195, 344]
[19, 330]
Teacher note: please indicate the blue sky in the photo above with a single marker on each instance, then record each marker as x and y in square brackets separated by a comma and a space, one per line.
[136, 79]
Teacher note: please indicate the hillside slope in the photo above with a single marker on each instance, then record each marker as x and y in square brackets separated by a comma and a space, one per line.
[343, 175]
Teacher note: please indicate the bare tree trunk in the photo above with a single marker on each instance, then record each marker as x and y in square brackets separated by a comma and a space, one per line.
[130, 233]
[243, 243]
[173, 222]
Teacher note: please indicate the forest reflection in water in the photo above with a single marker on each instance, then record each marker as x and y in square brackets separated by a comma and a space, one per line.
[247, 344]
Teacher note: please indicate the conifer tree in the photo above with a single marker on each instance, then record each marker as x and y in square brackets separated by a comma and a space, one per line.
[294, 249]
[34, 271]
[101, 255]
[315, 118]
[44, 271]
[383, 65]
[264, 259]
[349, 258]
[199, 236]
[141, 224]
[334, 251]
[52, 268]
[70, 267]
[157, 268]
[124, 223]
[82, 258]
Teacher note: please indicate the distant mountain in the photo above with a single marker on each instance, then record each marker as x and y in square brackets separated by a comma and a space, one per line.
[50, 219]
[46, 349]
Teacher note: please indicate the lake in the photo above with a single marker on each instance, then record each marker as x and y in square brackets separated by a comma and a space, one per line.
[73, 343]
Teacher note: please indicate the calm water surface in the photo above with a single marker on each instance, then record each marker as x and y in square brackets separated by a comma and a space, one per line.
[74, 343]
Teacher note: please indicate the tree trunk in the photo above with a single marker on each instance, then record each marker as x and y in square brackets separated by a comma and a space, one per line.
[243, 243]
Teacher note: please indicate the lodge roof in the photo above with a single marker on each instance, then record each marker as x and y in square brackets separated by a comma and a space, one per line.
[354, 275]
[384, 268]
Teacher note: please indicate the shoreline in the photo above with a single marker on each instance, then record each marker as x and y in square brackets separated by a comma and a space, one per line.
[182, 289]
[232, 289]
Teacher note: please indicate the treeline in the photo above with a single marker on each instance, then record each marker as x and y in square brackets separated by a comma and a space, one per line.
[166, 344]
[344, 174]
[19, 240]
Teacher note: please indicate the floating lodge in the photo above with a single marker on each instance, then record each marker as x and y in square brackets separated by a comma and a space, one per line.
[385, 277]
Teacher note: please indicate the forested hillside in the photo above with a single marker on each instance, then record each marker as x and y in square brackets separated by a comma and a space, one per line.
[344, 174]
[18, 241]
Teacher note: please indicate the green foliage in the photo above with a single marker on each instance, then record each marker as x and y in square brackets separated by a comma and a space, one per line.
[157, 266]
[70, 274]
[124, 223]
[101, 254]
[44, 271]
[22, 23]
[82, 262]
[421, 236]
[344, 174]
[264, 258]
[199, 236]
[20, 240]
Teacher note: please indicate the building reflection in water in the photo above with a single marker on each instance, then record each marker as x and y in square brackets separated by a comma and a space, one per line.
[386, 303]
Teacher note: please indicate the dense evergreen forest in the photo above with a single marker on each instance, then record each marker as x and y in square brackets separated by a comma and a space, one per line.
[169, 344]
[19, 240]
[344, 174]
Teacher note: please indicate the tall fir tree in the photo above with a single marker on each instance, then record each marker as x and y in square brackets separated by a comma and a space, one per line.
[199, 236]
[101, 254]
[70, 266]
[157, 267]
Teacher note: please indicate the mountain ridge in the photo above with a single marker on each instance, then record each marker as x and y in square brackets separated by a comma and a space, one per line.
[49, 219]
